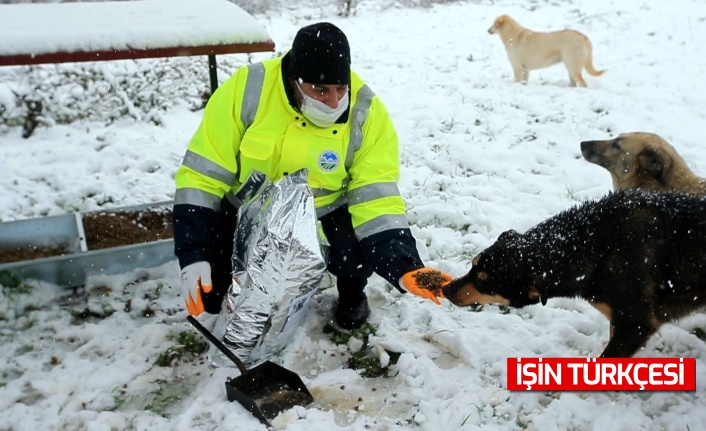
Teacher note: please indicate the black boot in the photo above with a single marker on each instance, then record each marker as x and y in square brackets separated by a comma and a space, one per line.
[349, 317]
[352, 310]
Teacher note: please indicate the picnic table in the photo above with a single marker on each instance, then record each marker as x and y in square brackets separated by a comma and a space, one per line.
[33, 34]
[44, 33]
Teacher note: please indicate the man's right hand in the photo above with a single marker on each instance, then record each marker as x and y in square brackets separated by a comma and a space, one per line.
[195, 278]
[410, 284]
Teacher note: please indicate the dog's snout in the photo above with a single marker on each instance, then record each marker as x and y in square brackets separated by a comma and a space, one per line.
[461, 292]
[586, 146]
[450, 289]
[588, 149]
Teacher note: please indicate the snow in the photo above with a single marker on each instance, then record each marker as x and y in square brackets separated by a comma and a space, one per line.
[480, 154]
[122, 25]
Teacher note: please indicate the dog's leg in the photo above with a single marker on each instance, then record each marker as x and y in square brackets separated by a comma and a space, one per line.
[627, 337]
[525, 74]
[576, 78]
[520, 73]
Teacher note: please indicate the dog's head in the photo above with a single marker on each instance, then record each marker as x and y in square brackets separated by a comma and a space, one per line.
[501, 274]
[498, 24]
[635, 160]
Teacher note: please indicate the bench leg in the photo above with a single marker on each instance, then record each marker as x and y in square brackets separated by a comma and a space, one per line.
[32, 120]
[213, 72]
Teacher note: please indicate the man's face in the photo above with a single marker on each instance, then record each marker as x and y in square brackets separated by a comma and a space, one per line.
[330, 94]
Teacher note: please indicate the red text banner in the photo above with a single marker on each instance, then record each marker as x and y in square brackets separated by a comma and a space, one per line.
[599, 374]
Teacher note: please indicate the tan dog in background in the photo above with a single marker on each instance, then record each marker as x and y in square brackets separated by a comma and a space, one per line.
[643, 161]
[528, 50]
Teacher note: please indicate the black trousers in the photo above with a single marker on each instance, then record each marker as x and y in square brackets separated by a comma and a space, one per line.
[346, 259]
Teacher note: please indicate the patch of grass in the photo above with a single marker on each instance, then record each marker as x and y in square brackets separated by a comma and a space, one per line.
[504, 309]
[342, 337]
[161, 400]
[570, 193]
[362, 360]
[466, 419]
[188, 345]
[476, 307]
[370, 366]
[30, 396]
[80, 316]
[700, 333]
[470, 253]
[154, 294]
[8, 279]
[26, 348]
[166, 396]
[119, 399]
[13, 286]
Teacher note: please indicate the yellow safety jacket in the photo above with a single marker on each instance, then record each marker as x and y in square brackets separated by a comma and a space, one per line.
[249, 124]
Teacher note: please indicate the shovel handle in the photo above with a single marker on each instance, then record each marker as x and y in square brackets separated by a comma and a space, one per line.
[216, 342]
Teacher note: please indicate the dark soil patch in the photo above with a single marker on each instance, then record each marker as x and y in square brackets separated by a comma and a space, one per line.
[115, 229]
[105, 230]
[29, 253]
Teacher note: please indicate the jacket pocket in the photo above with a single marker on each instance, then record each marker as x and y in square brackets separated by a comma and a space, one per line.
[256, 153]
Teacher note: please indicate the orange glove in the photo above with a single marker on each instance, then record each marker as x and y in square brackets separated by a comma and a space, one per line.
[195, 278]
[410, 282]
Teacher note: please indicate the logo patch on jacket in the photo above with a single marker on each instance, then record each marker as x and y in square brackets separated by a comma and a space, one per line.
[329, 161]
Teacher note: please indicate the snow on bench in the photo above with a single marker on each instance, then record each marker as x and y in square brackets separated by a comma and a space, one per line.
[121, 30]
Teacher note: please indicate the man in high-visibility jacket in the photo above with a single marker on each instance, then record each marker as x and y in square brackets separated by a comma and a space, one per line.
[305, 109]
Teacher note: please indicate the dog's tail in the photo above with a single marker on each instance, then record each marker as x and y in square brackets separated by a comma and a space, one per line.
[589, 66]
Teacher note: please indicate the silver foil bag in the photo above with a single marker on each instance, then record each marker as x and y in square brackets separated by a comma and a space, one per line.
[279, 263]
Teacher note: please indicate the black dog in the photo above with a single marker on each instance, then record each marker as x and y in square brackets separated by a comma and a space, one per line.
[638, 257]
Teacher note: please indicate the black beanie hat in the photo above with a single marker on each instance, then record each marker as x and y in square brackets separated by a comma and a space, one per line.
[320, 55]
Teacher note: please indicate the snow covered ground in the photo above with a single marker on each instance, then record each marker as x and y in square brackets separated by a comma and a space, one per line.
[481, 154]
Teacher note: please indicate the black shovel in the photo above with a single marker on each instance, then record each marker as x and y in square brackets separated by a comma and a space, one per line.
[265, 390]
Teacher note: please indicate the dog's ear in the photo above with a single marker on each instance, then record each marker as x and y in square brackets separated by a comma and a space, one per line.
[498, 23]
[475, 260]
[656, 162]
[508, 235]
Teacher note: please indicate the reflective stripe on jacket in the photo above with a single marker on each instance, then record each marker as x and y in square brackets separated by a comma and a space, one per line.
[249, 124]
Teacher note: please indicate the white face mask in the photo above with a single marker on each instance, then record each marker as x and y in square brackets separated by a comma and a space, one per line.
[320, 113]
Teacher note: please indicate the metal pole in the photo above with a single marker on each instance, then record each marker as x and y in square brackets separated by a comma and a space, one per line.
[213, 72]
